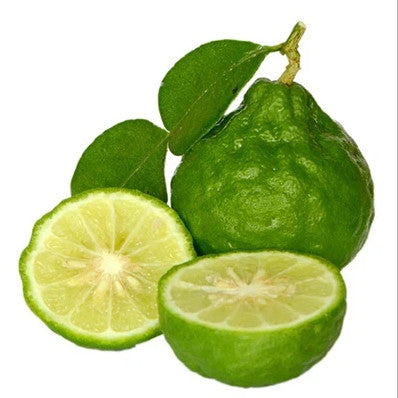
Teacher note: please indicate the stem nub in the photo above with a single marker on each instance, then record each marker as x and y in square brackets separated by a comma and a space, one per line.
[290, 49]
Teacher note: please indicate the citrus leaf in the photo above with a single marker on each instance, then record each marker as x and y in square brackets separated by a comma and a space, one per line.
[197, 91]
[130, 154]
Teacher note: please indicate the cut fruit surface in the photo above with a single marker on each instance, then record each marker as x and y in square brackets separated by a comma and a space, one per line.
[246, 291]
[92, 266]
[252, 318]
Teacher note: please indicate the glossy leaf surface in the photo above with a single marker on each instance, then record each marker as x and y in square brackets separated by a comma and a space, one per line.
[130, 154]
[197, 91]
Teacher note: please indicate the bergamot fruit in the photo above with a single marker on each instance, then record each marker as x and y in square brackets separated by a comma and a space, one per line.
[91, 269]
[278, 173]
[252, 319]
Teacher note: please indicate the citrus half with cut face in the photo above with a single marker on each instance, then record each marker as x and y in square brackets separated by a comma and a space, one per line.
[91, 269]
[252, 318]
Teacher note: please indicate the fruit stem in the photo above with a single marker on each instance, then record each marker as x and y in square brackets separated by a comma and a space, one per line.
[290, 49]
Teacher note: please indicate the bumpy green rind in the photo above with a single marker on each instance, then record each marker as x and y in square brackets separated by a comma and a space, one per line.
[278, 173]
[130, 155]
[252, 358]
[86, 339]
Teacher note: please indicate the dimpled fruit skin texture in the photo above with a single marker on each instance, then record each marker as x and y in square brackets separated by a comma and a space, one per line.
[249, 359]
[278, 173]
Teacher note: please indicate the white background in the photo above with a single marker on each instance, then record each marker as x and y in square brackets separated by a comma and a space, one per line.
[71, 69]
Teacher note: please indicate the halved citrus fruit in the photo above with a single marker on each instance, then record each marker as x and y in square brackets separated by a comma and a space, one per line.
[91, 269]
[252, 318]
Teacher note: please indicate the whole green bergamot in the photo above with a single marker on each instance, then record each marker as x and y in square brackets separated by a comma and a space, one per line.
[278, 173]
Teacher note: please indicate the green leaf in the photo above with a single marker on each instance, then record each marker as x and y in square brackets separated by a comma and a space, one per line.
[197, 91]
[130, 154]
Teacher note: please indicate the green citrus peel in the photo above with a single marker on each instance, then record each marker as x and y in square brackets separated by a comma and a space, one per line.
[278, 173]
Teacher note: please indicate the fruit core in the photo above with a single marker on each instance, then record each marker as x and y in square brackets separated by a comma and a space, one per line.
[261, 287]
[112, 263]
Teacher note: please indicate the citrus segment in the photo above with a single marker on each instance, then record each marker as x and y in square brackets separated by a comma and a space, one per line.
[93, 263]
